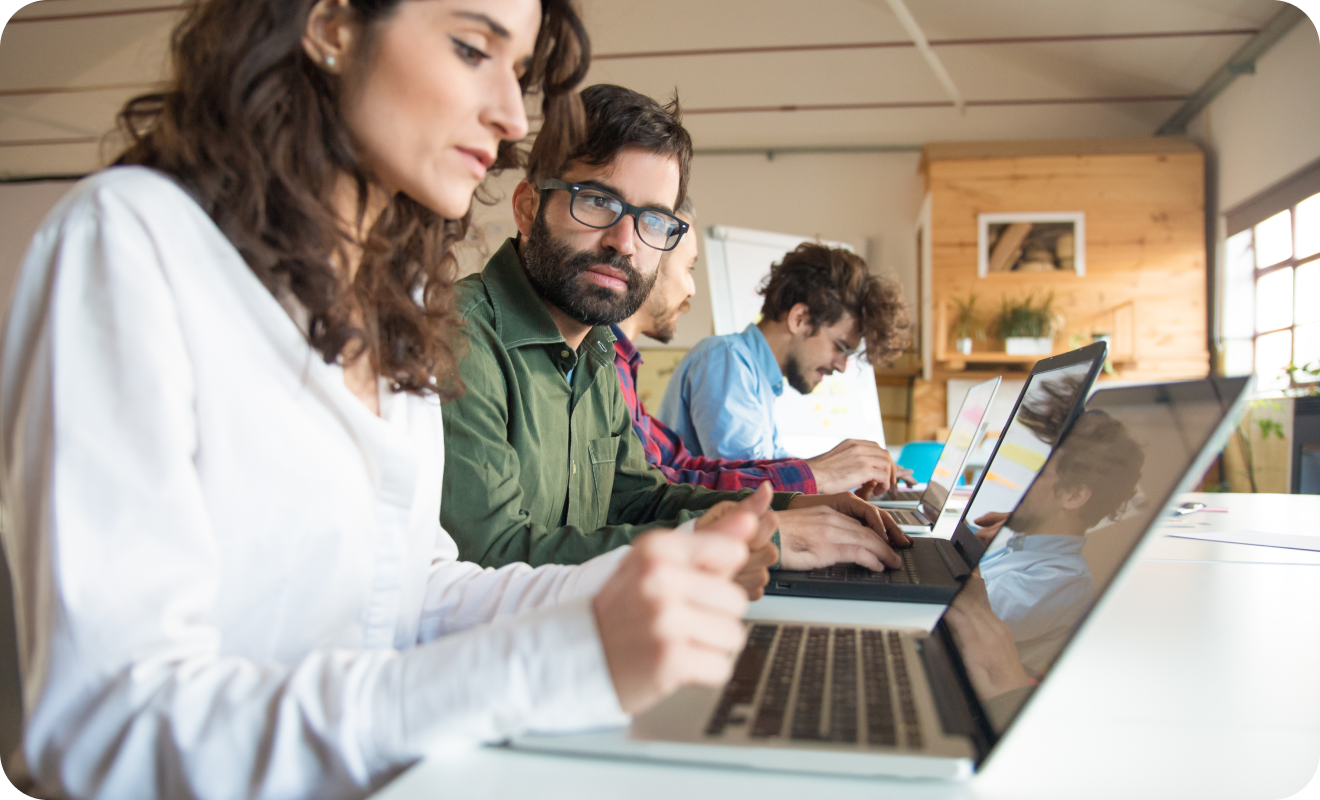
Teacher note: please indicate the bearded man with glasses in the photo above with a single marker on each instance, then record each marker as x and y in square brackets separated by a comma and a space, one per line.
[542, 464]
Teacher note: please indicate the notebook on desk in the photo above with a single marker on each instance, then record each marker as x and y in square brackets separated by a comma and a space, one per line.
[968, 427]
[868, 700]
[934, 568]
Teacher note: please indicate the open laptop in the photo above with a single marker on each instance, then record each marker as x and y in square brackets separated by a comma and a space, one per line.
[934, 567]
[875, 701]
[968, 427]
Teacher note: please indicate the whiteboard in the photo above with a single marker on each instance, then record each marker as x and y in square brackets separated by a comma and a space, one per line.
[844, 405]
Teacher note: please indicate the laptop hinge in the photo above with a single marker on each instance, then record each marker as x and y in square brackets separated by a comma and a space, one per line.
[968, 546]
[959, 709]
[953, 561]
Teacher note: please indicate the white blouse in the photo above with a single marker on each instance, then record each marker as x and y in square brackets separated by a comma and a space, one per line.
[230, 576]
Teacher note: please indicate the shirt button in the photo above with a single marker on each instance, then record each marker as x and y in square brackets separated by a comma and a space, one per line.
[563, 353]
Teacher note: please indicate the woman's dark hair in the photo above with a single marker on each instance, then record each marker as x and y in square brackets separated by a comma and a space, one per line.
[832, 281]
[251, 127]
[617, 118]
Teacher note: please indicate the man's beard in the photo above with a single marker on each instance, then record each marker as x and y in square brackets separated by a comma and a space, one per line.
[664, 322]
[555, 271]
[793, 372]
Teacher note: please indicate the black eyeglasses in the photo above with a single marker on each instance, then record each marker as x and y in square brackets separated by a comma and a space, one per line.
[597, 208]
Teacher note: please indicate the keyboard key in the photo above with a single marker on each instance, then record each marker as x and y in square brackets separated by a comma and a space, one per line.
[843, 687]
[904, 684]
[811, 685]
[881, 728]
[855, 573]
[774, 703]
[829, 695]
[741, 688]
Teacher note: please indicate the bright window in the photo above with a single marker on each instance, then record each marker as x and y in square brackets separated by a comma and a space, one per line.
[1271, 303]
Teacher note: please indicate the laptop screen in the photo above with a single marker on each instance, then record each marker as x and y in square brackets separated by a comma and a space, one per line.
[1049, 400]
[1098, 492]
[962, 437]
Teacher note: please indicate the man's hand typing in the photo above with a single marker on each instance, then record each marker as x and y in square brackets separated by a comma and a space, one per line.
[820, 530]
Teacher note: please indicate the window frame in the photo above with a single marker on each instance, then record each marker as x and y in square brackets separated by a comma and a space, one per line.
[1284, 196]
[1293, 263]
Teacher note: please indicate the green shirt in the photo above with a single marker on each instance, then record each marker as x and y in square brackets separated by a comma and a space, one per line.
[538, 469]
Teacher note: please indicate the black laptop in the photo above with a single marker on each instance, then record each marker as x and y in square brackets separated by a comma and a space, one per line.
[934, 568]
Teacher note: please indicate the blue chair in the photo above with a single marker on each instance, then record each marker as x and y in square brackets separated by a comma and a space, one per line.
[920, 457]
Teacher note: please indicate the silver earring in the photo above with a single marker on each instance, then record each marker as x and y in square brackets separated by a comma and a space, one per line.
[329, 62]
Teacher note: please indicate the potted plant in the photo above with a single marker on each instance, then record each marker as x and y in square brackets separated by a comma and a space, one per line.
[967, 325]
[1027, 327]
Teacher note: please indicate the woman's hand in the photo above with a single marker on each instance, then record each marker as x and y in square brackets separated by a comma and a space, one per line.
[755, 574]
[671, 615]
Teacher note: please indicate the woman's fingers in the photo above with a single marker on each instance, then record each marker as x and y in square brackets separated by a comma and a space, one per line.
[670, 615]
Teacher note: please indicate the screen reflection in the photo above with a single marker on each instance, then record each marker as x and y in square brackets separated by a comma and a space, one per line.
[1098, 492]
[1047, 404]
[962, 437]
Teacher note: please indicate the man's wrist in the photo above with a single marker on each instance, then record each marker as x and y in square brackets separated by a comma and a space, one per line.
[779, 548]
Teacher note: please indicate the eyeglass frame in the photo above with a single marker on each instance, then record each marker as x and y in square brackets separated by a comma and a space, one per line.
[547, 184]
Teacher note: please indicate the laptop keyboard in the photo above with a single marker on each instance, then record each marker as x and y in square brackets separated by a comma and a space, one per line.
[855, 573]
[814, 687]
[905, 494]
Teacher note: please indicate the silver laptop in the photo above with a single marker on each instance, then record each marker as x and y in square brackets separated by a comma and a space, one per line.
[865, 700]
[968, 428]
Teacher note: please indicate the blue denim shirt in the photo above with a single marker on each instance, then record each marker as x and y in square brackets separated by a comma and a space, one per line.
[721, 399]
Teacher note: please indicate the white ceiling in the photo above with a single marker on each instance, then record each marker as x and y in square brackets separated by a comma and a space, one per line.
[1052, 89]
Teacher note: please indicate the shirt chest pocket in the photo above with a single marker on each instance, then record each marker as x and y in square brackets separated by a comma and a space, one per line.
[602, 454]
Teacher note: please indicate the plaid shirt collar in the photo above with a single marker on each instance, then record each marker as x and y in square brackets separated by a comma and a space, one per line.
[624, 347]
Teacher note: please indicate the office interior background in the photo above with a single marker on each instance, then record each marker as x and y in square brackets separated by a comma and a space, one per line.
[1175, 128]
[1183, 131]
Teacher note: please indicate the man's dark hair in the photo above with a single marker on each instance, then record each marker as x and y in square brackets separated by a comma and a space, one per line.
[832, 281]
[618, 118]
[1100, 454]
[1046, 409]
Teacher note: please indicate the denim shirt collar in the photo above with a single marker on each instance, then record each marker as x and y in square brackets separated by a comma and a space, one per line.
[764, 357]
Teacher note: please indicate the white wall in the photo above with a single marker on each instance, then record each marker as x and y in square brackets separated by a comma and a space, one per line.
[870, 200]
[1265, 126]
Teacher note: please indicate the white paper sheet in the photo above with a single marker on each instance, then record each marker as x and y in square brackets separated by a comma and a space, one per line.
[1291, 541]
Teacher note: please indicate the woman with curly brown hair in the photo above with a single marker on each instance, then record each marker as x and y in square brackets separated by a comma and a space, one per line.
[220, 386]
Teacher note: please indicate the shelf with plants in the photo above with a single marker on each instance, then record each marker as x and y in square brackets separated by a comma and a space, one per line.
[958, 319]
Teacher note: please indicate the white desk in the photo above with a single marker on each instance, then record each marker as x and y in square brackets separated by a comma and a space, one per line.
[1197, 678]
[1268, 513]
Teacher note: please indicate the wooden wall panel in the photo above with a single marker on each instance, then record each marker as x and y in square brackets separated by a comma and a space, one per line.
[1145, 245]
[1145, 279]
